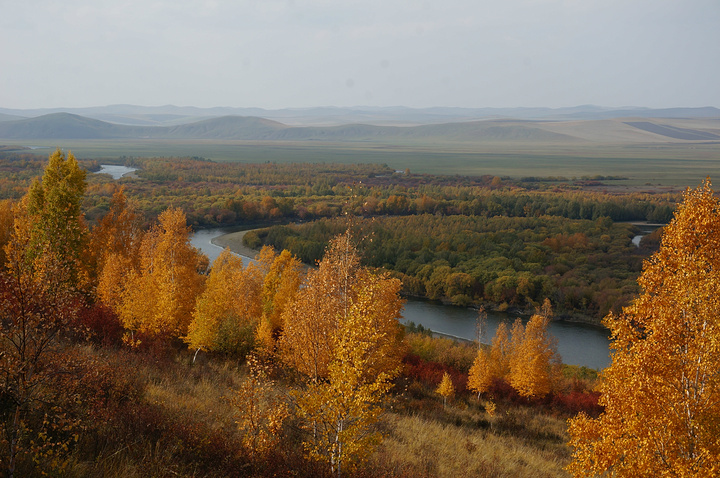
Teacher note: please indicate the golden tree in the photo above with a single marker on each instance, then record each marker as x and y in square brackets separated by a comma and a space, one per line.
[227, 311]
[159, 298]
[661, 392]
[500, 352]
[534, 362]
[115, 245]
[490, 364]
[480, 377]
[311, 322]
[280, 286]
[445, 389]
[341, 410]
[342, 333]
[261, 413]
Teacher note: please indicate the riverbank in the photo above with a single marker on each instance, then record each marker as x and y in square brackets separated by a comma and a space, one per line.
[234, 241]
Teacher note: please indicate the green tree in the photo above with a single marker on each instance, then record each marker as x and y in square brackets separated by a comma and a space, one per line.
[57, 234]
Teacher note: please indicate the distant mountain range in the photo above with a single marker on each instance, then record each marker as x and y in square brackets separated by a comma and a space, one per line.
[325, 116]
[584, 123]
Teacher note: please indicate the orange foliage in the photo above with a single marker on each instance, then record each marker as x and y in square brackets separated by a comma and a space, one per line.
[661, 392]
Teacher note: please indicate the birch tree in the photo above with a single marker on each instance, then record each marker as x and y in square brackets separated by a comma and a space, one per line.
[661, 392]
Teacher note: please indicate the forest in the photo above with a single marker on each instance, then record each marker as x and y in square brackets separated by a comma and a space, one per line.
[271, 369]
[500, 242]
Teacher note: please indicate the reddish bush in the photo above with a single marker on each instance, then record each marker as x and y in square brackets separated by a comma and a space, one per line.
[102, 325]
[431, 373]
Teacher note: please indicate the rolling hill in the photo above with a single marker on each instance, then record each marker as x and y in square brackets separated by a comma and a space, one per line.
[250, 128]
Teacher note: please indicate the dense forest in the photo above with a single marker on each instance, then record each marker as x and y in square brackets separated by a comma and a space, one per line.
[587, 268]
[225, 194]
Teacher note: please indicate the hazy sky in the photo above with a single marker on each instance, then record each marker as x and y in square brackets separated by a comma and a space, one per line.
[300, 53]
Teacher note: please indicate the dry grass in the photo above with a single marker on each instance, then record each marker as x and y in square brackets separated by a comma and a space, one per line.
[514, 443]
[184, 425]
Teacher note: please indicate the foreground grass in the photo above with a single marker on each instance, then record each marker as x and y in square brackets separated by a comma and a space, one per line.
[180, 422]
[419, 446]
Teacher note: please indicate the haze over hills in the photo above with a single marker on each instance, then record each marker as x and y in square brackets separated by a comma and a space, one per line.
[637, 129]
[170, 115]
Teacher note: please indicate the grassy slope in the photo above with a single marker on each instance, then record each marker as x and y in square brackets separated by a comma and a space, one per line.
[185, 408]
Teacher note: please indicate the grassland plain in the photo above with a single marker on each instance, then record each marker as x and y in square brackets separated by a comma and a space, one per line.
[676, 165]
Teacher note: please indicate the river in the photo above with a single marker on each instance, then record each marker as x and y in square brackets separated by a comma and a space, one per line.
[578, 344]
[114, 170]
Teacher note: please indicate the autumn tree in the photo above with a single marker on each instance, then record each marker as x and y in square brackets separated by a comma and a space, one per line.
[661, 392]
[6, 227]
[39, 303]
[342, 334]
[491, 363]
[282, 281]
[534, 362]
[159, 298]
[445, 388]
[261, 412]
[500, 352]
[227, 312]
[341, 409]
[480, 376]
[115, 245]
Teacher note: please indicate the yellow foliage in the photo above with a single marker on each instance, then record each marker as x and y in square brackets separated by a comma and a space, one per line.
[312, 321]
[341, 410]
[342, 333]
[661, 392]
[445, 389]
[280, 286]
[159, 298]
[228, 310]
[261, 413]
[534, 362]
[481, 373]
[115, 245]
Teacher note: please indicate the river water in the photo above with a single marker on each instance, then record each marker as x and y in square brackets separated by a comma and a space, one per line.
[578, 344]
[115, 170]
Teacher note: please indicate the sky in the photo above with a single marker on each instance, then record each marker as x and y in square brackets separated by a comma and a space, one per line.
[304, 53]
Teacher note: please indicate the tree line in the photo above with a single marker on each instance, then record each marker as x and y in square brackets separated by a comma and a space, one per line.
[585, 267]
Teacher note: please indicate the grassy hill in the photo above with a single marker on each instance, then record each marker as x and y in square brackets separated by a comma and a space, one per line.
[249, 128]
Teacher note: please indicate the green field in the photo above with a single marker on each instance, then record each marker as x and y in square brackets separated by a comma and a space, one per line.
[670, 165]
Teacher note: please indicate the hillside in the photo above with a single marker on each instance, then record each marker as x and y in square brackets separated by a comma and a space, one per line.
[170, 115]
[249, 128]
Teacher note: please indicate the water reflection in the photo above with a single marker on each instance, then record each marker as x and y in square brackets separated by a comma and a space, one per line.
[578, 344]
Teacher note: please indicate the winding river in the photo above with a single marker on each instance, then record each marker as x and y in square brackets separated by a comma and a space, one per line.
[578, 344]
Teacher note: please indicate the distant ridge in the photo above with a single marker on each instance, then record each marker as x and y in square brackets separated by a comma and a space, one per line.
[169, 115]
[252, 128]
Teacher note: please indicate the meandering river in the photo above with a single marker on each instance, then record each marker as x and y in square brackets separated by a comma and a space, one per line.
[578, 344]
